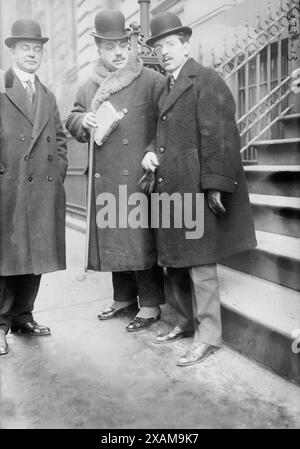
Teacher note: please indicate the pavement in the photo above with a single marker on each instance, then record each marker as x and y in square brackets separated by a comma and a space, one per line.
[95, 375]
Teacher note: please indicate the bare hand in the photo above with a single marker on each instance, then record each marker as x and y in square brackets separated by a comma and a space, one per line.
[150, 161]
[214, 202]
[89, 120]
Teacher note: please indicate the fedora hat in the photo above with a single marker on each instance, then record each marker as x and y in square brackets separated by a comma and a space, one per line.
[110, 24]
[25, 29]
[164, 24]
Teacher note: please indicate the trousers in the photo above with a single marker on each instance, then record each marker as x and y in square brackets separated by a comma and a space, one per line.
[194, 293]
[17, 297]
[147, 285]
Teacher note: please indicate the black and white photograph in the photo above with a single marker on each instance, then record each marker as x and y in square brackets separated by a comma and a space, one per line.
[149, 217]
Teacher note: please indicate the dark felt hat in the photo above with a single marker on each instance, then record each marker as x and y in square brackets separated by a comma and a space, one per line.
[164, 24]
[25, 29]
[110, 24]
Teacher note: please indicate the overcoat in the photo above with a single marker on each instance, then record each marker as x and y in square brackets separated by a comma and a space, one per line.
[33, 165]
[198, 148]
[133, 90]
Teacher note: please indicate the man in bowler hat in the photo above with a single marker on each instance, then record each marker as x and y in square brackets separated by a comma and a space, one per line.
[33, 165]
[197, 150]
[129, 253]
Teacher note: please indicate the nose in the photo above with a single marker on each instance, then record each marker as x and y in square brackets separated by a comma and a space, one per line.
[31, 53]
[164, 50]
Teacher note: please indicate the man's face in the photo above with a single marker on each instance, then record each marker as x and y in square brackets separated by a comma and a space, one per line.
[171, 52]
[114, 54]
[27, 55]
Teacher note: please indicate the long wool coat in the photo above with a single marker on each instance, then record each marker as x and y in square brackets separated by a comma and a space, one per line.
[198, 149]
[32, 169]
[134, 90]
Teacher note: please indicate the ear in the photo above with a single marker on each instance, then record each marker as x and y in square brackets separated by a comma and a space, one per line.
[186, 48]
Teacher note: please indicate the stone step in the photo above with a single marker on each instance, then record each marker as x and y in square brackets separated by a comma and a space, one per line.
[277, 214]
[280, 151]
[276, 258]
[291, 125]
[261, 319]
[274, 179]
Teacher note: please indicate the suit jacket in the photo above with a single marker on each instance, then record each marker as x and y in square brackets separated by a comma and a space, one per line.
[198, 147]
[33, 165]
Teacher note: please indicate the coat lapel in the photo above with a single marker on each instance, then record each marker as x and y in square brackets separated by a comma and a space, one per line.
[16, 93]
[42, 112]
[183, 82]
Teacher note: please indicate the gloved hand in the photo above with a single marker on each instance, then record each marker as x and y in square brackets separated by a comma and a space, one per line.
[150, 161]
[89, 120]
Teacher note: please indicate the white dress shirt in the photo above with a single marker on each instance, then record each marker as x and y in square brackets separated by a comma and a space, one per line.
[24, 77]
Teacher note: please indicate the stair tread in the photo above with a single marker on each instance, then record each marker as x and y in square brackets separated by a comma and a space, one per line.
[280, 245]
[290, 117]
[272, 305]
[275, 168]
[275, 141]
[275, 200]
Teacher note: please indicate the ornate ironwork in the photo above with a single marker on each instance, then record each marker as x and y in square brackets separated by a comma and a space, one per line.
[255, 40]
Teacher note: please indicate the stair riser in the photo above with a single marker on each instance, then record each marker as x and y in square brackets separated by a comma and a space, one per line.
[260, 343]
[274, 183]
[269, 266]
[281, 154]
[292, 129]
[285, 221]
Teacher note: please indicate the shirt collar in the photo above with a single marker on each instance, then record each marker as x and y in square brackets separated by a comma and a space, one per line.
[177, 71]
[24, 76]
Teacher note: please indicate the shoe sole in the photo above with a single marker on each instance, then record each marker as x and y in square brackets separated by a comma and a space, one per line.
[29, 333]
[197, 361]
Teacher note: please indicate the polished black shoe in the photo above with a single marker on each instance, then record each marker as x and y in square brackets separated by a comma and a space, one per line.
[196, 354]
[30, 328]
[3, 343]
[139, 323]
[110, 312]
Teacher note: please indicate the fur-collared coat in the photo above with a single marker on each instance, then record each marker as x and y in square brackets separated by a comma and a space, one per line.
[135, 91]
[33, 165]
[198, 147]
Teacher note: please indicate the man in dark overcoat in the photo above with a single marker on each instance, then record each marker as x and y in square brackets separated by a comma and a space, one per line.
[196, 151]
[33, 165]
[126, 251]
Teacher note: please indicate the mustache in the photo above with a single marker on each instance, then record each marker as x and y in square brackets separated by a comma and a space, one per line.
[167, 59]
[119, 59]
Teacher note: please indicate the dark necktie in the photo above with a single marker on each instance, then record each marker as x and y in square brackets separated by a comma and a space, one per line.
[171, 81]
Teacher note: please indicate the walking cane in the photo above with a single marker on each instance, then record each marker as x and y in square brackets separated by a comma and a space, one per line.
[89, 196]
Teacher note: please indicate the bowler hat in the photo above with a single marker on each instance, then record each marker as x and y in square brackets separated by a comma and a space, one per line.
[25, 29]
[164, 24]
[110, 24]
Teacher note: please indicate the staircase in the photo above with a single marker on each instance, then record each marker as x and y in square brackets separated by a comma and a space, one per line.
[261, 309]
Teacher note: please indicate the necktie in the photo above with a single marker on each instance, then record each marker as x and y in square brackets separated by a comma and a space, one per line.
[29, 90]
[171, 81]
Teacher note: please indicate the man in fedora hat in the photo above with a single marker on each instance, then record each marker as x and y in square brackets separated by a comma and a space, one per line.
[196, 151]
[128, 252]
[32, 198]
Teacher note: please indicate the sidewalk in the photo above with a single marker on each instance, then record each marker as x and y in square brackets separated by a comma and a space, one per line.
[92, 374]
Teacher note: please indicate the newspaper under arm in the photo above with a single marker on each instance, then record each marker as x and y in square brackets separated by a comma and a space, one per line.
[107, 119]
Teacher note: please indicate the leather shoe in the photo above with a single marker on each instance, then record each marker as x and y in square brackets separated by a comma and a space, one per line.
[30, 328]
[173, 335]
[138, 323]
[110, 312]
[196, 354]
[3, 343]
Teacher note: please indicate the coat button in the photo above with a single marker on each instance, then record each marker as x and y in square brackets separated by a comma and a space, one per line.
[160, 180]
[235, 182]
[164, 117]
[124, 110]
[48, 139]
[97, 175]
[125, 141]
[49, 178]
[50, 157]
[25, 157]
[125, 172]
[30, 179]
[22, 137]
[162, 150]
